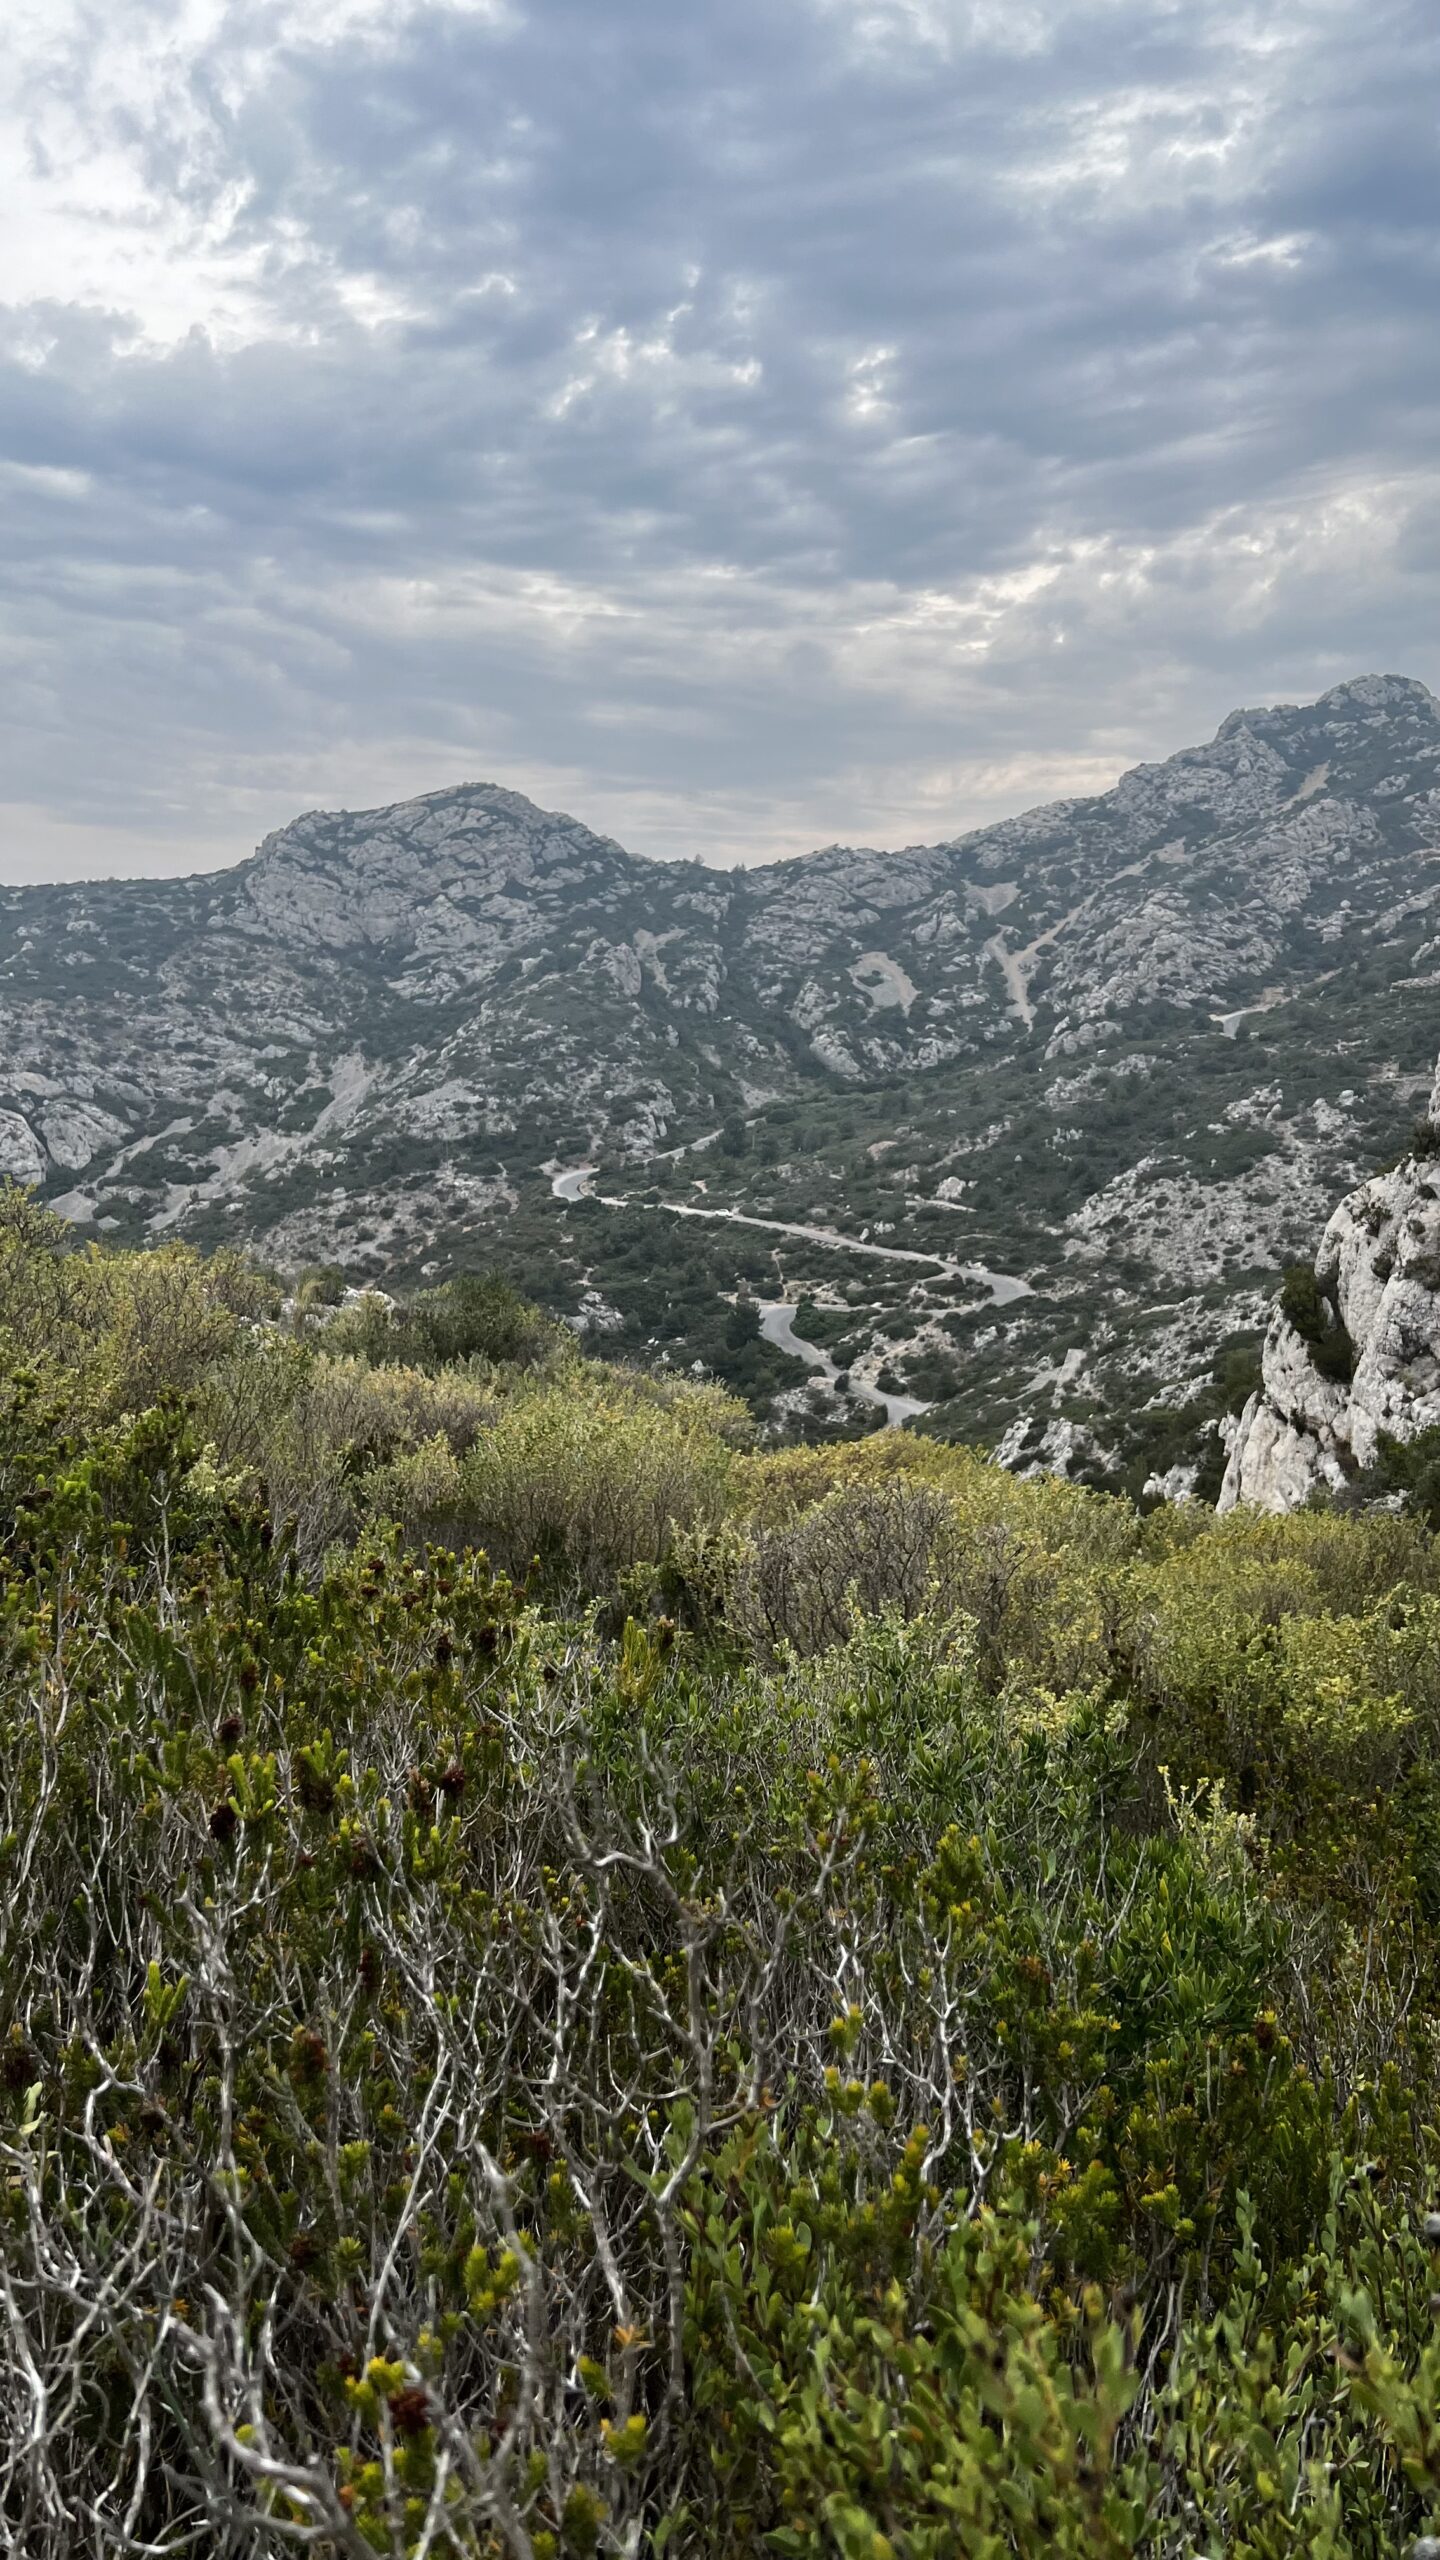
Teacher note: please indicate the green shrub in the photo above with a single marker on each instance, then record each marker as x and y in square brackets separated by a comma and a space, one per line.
[473, 1316]
[592, 1477]
[1411, 1470]
[1307, 1307]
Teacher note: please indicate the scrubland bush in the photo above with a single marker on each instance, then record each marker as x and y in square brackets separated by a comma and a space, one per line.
[108, 1333]
[592, 1476]
[922, 1525]
[473, 1316]
[920, 2040]
[354, 1439]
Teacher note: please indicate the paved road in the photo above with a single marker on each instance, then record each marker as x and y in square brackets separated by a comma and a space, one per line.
[575, 1185]
[777, 1324]
[777, 1316]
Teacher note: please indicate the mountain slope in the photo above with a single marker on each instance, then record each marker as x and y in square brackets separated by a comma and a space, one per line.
[1128, 1049]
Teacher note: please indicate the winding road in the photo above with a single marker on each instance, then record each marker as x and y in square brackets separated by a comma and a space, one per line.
[576, 1183]
[777, 1315]
[777, 1324]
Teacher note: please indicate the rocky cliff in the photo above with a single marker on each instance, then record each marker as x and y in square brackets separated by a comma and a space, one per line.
[1355, 1359]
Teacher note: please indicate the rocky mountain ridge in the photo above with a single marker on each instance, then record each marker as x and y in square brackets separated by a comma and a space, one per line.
[1153, 1033]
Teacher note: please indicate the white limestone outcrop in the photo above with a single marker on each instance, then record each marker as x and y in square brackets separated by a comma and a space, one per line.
[1378, 1268]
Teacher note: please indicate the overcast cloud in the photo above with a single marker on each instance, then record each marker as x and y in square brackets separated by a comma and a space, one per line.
[746, 423]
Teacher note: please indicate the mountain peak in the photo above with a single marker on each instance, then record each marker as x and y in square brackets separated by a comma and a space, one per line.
[1380, 693]
[1357, 697]
[403, 873]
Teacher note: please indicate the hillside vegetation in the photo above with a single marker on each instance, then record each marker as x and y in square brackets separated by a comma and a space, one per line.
[573, 1987]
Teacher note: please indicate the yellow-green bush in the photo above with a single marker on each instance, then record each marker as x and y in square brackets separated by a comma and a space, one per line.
[109, 1332]
[594, 1475]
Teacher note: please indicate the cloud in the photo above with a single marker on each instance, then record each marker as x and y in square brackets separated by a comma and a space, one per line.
[748, 425]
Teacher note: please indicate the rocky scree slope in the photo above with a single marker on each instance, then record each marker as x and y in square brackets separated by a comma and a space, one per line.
[1128, 1047]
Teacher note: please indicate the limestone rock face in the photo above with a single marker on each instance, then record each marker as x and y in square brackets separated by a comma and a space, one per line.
[1059, 1448]
[21, 1155]
[1379, 1268]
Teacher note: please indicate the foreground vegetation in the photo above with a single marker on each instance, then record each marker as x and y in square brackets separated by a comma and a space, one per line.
[570, 1987]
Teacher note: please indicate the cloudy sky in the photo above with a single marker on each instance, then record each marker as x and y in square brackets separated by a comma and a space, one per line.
[747, 423]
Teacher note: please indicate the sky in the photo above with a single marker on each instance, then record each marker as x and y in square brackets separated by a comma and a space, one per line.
[748, 424]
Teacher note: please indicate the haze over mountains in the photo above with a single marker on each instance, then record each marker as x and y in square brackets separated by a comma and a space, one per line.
[378, 1038]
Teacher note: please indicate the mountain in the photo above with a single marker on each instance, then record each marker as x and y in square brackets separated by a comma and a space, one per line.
[1125, 1050]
